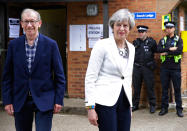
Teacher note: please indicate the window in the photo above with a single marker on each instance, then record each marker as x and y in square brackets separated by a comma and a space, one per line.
[185, 21]
[175, 17]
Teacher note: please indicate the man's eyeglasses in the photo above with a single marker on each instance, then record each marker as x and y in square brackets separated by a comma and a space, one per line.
[33, 22]
[141, 31]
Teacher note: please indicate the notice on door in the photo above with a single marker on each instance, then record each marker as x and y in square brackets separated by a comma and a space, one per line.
[14, 27]
[77, 37]
[94, 33]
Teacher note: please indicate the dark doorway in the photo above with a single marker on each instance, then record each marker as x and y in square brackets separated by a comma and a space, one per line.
[54, 26]
[2, 39]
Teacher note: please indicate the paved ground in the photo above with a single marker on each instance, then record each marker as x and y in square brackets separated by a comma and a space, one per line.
[142, 120]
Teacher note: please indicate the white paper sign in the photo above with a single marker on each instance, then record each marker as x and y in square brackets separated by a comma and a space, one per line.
[77, 37]
[110, 32]
[181, 23]
[14, 27]
[95, 30]
[92, 41]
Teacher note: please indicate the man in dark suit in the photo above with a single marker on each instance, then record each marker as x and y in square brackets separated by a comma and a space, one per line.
[33, 77]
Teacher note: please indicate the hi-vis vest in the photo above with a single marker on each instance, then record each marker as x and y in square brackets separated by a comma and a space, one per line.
[176, 57]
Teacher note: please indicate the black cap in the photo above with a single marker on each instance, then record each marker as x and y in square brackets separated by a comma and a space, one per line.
[169, 24]
[142, 28]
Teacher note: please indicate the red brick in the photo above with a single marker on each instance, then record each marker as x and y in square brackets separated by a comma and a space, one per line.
[78, 61]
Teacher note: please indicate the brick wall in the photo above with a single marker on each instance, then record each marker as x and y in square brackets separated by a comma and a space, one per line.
[184, 57]
[166, 6]
[77, 61]
[184, 74]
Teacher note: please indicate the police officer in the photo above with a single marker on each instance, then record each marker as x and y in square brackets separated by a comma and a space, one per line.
[144, 66]
[170, 48]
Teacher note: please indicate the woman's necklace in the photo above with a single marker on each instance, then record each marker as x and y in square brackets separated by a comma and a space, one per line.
[124, 52]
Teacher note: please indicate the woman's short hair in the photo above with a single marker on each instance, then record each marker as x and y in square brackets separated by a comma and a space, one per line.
[122, 15]
[27, 10]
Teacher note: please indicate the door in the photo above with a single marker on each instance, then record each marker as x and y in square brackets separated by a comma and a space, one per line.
[2, 41]
[54, 26]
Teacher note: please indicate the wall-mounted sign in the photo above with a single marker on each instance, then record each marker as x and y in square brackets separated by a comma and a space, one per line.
[145, 15]
[184, 38]
[94, 33]
[92, 41]
[165, 18]
[182, 23]
[77, 37]
[14, 27]
[110, 32]
[92, 10]
[95, 30]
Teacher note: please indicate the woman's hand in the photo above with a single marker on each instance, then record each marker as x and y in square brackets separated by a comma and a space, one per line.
[92, 117]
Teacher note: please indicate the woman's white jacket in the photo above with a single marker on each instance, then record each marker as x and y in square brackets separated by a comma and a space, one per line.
[107, 73]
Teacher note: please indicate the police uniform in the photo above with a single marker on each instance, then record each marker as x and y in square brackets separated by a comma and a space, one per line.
[144, 66]
[170, 69]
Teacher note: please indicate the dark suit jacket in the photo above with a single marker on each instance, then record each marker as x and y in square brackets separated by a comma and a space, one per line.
[46, 80]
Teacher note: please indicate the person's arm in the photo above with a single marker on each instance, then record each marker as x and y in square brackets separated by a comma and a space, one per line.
[176, 50]
[7, 82]
[94, 65]
[59, 78]
[7, 78]
[160, 48]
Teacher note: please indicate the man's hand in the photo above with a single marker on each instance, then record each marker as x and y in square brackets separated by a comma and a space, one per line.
[57, 108]
[92, 117]
[9, 109]
[164, 53]
[173, 48]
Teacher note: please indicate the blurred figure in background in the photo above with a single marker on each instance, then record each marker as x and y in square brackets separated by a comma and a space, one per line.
[170, 49]
[144, 65]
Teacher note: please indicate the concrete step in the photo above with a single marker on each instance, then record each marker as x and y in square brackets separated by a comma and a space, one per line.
[74, 106]
[184, 102]
[71, 106]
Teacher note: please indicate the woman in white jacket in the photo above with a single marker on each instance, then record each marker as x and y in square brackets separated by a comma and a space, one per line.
[108, 92]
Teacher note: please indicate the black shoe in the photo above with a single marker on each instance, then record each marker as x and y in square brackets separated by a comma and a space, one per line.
[152, 109]
[134, 108]
[163, 112]
[179, 113]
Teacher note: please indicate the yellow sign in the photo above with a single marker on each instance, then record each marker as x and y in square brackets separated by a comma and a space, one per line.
[165, 18]
[184, 38]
